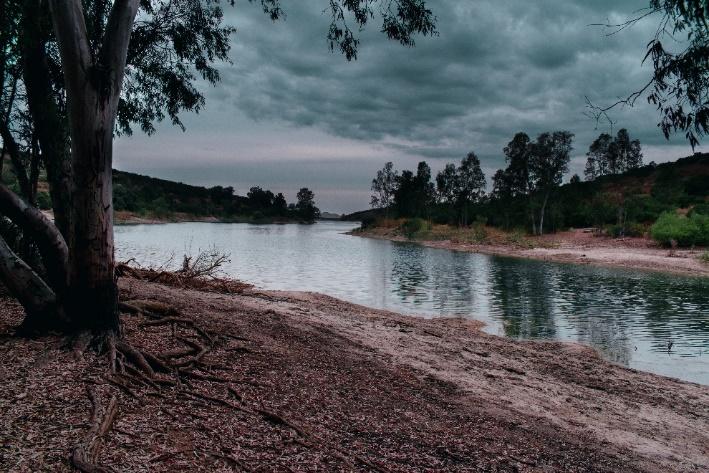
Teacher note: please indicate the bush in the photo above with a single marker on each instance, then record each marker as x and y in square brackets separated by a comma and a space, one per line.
[413, 226]
[685, 231]
[615, 231]
[702, 223]
[702, 208]
[632, 229]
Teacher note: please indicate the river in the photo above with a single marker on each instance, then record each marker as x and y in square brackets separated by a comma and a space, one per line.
[647, 321]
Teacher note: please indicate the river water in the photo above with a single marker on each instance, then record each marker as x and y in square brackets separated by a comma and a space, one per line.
[652, 322]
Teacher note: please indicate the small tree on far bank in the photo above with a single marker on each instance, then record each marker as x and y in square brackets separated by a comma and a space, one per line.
[384, 187]
[305, 207]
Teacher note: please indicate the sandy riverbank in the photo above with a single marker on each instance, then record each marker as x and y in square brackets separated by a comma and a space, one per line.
[305, 382]
[575, 246]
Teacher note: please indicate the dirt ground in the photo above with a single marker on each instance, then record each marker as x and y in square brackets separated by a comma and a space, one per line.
[305, 382]
[580, 246]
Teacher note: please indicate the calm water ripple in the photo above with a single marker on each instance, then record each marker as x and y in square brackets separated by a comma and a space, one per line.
[629, 316]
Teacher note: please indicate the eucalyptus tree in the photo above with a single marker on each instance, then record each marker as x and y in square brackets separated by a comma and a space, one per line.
[92, 68]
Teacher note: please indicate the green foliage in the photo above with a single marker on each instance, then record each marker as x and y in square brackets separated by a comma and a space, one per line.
[632, 229]
[671, 229]
[161, 198]
[608, 155]
[702, 208]
[44, 202]
[412, 226]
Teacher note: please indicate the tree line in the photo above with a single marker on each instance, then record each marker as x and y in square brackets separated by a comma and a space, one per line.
[162, 198]
[524, 193]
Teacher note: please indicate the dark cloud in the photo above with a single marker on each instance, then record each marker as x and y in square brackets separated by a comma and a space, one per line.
[498, 67]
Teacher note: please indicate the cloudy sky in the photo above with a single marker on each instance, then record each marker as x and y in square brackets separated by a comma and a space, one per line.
[290, 114]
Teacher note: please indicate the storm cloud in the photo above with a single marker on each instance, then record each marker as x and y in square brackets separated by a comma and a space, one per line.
[289, 110]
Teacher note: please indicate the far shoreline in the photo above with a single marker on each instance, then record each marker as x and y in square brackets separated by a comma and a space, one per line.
[573, 247]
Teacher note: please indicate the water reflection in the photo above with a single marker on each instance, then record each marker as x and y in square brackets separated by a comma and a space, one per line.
[630, 317]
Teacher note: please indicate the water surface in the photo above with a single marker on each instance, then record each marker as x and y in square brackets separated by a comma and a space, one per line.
[631, 317]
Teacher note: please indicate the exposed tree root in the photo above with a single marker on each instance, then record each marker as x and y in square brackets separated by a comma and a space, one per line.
[85, 455]
[136, 357]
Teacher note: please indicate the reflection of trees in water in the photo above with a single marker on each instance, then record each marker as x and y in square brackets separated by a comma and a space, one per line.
[443, 280]
[603, 308]
[409, 274]
[454, 283]
[610, 310]
[522, 296]
[591, 306]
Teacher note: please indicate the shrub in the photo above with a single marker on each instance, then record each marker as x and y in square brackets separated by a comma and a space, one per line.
[702, 208]
[631, 229]
[702, 223]
[685, 231]
[634, 229]
[413, 226]
[614, 230]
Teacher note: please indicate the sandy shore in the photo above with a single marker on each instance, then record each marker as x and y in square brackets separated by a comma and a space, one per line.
[305, 382]
[578, 247]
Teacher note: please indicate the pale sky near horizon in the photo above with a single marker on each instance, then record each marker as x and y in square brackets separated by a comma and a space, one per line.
[290, 114]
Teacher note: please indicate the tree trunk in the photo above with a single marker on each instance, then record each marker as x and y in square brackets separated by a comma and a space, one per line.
[541, 214]
[93, 85]
[49, 126]
[92, 295]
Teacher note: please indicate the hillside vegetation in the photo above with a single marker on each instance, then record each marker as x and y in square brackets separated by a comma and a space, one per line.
[668, 201]
[150, 198]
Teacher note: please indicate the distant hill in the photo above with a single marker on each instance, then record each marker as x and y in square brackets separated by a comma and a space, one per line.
[135, 194]
[138, 198]
[329, 216]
